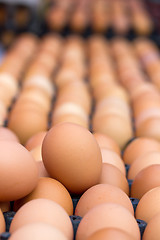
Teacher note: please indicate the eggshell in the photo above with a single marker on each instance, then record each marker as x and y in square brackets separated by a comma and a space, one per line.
[17, 166]
[152, 230]
[115, 127]
[149, 205]
[7, 134]
[113, 158]
[51, 189]
[107, 215]
[72, 156]
[102, 193]
[105, 141]
[142, 162]
[112, 175]
[149, 128]
[139, 147]
[36, 153]
[145, 180]
[44, 211]
[2, 222]
[27, 123]
[38, 231]
[111, 234]
[35, 140]
[41, 169]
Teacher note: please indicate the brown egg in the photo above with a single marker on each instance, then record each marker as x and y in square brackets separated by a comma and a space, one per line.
[27, 123]
[115, 127]
[5, 206]
[102, 193]
[39, 231]
[17, 166]
[107, 215]
[41, 169]
[105, 141]
[112, 175]
[35, 140]
[2, 222]
[142, 162]
[51, 189]
[111, 234]
[152, 230]
[149, 128]
[113, 158]
[139, 147]
[145, 180]
[7, 134]
[72, 156]
[149, 205]
[36, 153]
[44, 211]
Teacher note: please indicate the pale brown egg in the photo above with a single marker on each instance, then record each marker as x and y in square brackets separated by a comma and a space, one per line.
[112, 175]
[110, 234]
[38, 231]
[7, 134]
[35, 140]
[149, 205]
[152, 230]
[36, 153]
[17, 166]
[102, 193]
[27, 123]
[142, 162]
[44, 211]
[145, 180]
[50, 189]
[70, 118]
[42, 172]
[115, 127]
[105, 141]
[139, 147]
[72, 156]
[107, 215]
[149, 128]
[2, 222]
[113, 158]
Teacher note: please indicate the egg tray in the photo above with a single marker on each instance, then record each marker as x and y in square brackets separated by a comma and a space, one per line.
[74, 219]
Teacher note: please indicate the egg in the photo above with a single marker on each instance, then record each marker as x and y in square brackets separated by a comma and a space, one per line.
[51, 189]
[5, 206]
[152, 230]
[7, 134]
[148, 205]
[115, 127]
[145, 180]
[39, 231]
[27, 123]
[2, 222]
[142, 162]
[19, 172]
[107, 215]
[35, 140]
[138, 147]
[36, 153]
[105, 141]
[110, 234]
[72, 156]
[112, 175]
[113, 158]
[102, 193]
[44, 211]
[41, 169]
